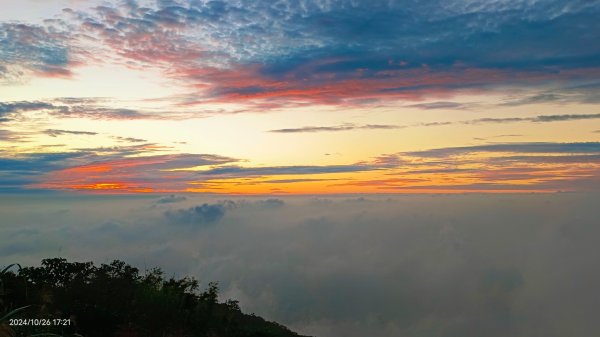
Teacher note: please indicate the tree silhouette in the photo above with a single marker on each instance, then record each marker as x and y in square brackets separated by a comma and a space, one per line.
[117, 300]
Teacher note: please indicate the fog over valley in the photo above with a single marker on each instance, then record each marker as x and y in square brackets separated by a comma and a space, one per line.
[372, 265]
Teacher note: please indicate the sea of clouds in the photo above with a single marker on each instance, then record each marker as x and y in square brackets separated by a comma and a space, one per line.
[422, 265]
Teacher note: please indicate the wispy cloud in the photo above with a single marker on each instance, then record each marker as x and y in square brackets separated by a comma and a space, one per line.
[10, 109]
[73, 108]
[297, 180]
[502, 120]
[586, 93]
[98, 109]
[537, 119]
[238, 171]
[487, 120]
[439, 105]
[14, 136]
[343, 127]
[590, 147]
[56, 132]
[130, 139]
[498, 136]
[171, 199]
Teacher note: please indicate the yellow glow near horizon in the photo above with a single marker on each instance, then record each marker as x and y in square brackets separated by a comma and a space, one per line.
[112, 81]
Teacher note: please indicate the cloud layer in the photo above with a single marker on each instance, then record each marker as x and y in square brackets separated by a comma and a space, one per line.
[342, 52]
[457, 266]
[495, 167]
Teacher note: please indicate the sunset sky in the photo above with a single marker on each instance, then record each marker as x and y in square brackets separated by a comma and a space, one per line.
[360, 168]
[299, 97]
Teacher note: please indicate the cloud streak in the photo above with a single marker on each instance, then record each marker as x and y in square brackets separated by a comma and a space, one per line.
[536, 119]
[56, 132]
[238, 171]
[344, 127]
[487, 120]
[439, 105]
[68, 109]
[589, 148]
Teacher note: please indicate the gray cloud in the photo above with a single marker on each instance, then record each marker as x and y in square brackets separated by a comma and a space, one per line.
[554, 118]
[41, 49]
[458, 266]
[501, 120]
[537, 119]
[589, 148]
[554, 159]
[130, 139]
[498, 136]
[270, 203]
[96, 112]
[436, 124]
[67, 108]
[441, 170]
[344, 127]
[10, 109]
[16, 172]
[297, 180]
[284, 170]
[114, 152]
[586, 93]
[55, 132]
[205, 214]
[439, 105]
[487, 120]
[171, 199]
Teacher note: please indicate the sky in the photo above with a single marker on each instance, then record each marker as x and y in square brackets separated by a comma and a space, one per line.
[345, 168]
[299, 97]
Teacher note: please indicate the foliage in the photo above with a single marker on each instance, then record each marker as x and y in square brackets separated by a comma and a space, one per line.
[117, 300]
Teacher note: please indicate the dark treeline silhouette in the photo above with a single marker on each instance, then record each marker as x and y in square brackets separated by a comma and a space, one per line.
[81, 299]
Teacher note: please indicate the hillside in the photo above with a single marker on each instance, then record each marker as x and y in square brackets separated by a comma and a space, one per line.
[81, 299]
